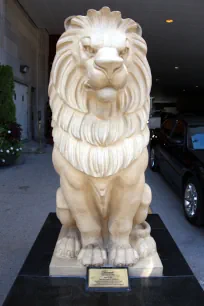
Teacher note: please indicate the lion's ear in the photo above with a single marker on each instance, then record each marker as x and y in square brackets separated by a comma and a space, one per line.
[139, 29]
[130, 26]
[67, 22]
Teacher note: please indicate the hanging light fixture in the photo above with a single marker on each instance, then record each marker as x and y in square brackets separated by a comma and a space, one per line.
[24, 68]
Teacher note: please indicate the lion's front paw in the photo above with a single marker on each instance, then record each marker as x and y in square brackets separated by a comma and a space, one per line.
[123, 256]
[69, 245]
[145, 246]
[92, 255]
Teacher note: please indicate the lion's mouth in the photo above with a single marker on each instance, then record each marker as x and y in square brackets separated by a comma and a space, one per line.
[89, 86]
[106, 94]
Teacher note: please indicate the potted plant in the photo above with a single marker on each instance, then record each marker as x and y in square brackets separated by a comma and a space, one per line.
[10, 131]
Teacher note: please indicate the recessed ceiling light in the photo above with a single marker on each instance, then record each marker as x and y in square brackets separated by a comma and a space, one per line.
[169, 21]
[176, 67]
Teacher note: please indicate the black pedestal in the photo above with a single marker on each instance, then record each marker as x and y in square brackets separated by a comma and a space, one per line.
[34, 287]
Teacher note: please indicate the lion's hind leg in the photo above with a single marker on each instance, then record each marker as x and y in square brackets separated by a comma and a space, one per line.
[140, 237]
[68, 244]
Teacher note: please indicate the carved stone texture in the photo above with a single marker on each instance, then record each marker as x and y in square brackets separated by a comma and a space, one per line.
[99, 95]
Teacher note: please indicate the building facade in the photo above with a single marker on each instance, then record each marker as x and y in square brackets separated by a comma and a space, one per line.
[25, 48]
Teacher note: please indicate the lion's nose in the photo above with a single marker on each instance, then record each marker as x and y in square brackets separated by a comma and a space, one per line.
[108, 59]
[110, 65]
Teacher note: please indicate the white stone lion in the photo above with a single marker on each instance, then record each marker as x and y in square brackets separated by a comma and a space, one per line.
[99, 95]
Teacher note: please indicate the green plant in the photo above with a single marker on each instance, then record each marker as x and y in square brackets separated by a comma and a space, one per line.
[10, 144]
[10, 131]
[7, 106]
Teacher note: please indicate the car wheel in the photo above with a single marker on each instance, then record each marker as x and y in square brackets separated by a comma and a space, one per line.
[192, 201]
[153, 162]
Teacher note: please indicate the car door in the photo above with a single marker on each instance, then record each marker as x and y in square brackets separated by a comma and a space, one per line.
[177, 142]
[165, 147]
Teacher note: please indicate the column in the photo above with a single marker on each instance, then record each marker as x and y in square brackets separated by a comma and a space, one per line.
[2, 29]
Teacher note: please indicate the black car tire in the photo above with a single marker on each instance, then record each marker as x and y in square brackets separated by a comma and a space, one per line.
[196, 214]
[153, 162]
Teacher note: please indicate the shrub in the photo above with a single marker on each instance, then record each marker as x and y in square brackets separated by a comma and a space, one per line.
[10, 145]
[7, 106]
[10, 131]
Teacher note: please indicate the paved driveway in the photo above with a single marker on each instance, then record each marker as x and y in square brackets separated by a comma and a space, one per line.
[27, 195]
[168, 205]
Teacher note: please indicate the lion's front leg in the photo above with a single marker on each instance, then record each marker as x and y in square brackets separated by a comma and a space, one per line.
[77, 212]
[79, 193]
[124, 203]
[92, 252]
[93, 255]
[68, 245]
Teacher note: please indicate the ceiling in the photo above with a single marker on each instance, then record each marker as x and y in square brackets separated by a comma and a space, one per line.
[180, 43]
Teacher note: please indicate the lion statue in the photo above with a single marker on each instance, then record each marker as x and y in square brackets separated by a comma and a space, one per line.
[99, 95]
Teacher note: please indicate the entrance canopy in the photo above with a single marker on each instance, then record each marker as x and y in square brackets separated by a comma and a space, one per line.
[176, 49]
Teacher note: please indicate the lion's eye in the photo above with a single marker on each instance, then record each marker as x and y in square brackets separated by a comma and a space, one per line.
[124, 52]
[89, 49]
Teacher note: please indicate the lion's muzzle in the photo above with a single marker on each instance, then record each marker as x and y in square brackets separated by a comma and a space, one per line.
[108, 60]
[107, 73]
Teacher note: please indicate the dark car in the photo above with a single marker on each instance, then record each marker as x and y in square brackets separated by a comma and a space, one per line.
[177, 150]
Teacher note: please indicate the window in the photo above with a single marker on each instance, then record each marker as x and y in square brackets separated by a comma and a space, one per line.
[179, 130]
[167, 126]
[196, 141]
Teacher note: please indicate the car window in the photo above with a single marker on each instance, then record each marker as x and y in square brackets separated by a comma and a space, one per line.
[179, 130]
[168, 126]
[196, 140]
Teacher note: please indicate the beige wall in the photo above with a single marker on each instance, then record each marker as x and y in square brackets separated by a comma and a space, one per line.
[22, 43]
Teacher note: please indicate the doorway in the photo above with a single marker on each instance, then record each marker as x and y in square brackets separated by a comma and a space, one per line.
[21, 102]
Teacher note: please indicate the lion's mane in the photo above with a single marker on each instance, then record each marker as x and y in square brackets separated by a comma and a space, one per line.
[95, 146]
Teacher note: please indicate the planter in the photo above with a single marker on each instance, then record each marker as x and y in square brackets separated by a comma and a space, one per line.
[9, 160]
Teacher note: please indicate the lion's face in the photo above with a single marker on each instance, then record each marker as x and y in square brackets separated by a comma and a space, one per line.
[101, 58]
[104, 55]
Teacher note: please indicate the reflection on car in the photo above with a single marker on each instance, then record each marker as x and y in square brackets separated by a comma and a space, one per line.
[177, 150]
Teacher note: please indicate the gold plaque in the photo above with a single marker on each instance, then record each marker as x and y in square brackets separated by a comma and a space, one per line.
[108, 278]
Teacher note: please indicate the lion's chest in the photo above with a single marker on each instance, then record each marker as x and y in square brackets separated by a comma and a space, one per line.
[100, 161]
[102, 189]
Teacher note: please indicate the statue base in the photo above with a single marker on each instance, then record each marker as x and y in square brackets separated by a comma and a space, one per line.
[33, 285]
[145, 267]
